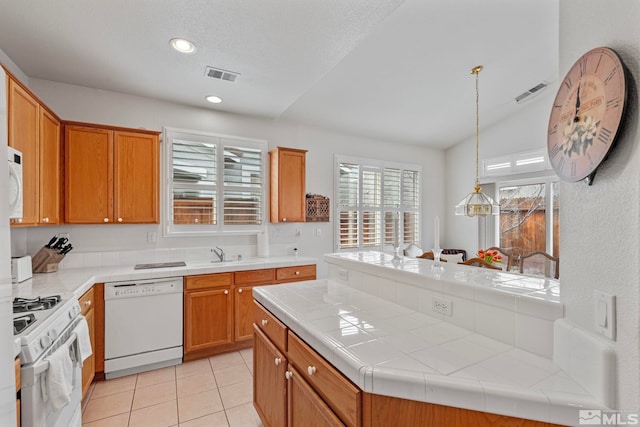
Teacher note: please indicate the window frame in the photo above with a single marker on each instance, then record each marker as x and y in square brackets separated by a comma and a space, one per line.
[220, 140]
[545, 179]
[372, 165]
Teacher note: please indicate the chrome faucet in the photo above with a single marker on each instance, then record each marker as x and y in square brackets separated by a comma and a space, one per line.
[220, 254]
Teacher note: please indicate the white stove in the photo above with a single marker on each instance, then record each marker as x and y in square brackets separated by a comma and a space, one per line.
[44, 326]
[39, 321]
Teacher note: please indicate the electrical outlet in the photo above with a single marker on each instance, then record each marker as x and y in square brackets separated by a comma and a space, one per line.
[151, 237]
[443, 306]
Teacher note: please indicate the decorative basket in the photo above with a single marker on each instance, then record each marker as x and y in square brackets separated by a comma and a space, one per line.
[317, 208]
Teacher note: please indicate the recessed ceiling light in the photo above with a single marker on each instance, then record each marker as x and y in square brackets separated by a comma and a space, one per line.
[214, 99]
[182, 45]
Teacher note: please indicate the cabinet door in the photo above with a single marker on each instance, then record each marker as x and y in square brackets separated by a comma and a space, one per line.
[49, 190]
[305, 407]
[243, 329]
[136, 191]
[23, 136]
[88, 175]
[87, 305]
[287, 185]
[89, 365]
[269, 383]
[207, 319]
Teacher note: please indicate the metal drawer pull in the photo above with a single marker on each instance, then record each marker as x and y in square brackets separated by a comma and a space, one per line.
[106, 220]
[311, 370]
[297, 273]
[288, 375]
[278, 361]
[264, 322]
[226, 292]
[239, 291]
[87, 303]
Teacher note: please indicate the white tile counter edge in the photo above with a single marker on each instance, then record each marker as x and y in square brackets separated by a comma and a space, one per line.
[474, 394]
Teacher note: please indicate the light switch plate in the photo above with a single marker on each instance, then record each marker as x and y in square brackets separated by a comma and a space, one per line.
[605, 314]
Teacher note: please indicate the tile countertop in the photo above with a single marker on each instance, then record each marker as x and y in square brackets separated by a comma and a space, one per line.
[74, 282]
[391, 350]
[482, 279]
[77, 281]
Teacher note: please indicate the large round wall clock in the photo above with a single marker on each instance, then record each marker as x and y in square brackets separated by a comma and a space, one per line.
[586, 115]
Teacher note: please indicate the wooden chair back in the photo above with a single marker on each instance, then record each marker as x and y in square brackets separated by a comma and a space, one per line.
[479, 262]
[510, 257]
[429, 255]
[540, 264]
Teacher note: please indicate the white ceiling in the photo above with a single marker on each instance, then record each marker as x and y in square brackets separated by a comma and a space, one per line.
[390, 69]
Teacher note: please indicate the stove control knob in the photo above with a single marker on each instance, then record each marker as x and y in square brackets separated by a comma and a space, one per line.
[53, 334]
[45, 341]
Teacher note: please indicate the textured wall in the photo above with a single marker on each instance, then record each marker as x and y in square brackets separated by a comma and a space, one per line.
[600, 224]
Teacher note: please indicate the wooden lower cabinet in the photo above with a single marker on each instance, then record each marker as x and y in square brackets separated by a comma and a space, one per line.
[219, 308]
[383, 411]
[270, 384]
[316, 394]
[305, 406]
[208, 312]
[87, 305]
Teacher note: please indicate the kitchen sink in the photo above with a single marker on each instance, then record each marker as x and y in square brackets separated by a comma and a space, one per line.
[160, 265]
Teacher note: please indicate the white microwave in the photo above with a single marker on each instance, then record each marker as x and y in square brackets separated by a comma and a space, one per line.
[15, 184]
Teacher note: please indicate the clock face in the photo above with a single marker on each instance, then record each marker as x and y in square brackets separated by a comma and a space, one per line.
[586, 114]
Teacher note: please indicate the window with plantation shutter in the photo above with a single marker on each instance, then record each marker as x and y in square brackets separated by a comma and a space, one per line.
[375, 200]
[215, 183]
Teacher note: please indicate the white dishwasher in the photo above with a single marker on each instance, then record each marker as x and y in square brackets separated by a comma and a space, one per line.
[142, 325]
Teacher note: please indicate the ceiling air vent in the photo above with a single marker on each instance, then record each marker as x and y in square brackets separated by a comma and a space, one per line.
[533, 91]
[220, 74]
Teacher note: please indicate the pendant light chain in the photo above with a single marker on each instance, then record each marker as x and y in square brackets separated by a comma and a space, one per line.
[477, 72]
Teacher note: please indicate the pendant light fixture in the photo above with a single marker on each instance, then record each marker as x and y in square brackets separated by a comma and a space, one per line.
[477, 203]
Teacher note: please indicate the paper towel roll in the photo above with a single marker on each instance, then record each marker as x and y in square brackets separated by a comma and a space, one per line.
[263, 245]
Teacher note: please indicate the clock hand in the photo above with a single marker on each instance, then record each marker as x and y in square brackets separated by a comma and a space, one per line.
[576, 118]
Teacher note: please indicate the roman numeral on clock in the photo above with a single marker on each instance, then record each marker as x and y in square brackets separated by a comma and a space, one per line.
[610, 76]
[604, 135]
[583, 67]
[573, 169]
[568, 83]
[554, 151]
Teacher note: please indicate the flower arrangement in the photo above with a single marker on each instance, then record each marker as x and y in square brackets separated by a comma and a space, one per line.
[491, 256]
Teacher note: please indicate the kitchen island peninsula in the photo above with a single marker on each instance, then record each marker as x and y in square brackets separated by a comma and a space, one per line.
[388, 342]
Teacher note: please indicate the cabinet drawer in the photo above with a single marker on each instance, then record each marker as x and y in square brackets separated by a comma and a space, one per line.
[343, 397]
[205, 281]
[271, 326]
[254, 277]
[291, 274]
[86, 301]
[17, 366]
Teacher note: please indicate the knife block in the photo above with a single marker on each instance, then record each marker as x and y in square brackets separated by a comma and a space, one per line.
[46, 260]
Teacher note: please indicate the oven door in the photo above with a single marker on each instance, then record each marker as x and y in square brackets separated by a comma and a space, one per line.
[36, 409]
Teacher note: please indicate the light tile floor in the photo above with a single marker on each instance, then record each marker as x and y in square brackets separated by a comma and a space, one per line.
[211, 392]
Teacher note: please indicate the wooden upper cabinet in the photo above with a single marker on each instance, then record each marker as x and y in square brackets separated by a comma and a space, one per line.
[111, 176]
[35, 131]
[23, 111]
[136, 186]
[287, 184]
[88, 175]
[50, 173]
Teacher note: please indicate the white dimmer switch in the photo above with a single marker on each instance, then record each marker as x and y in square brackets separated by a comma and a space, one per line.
[605, 307]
